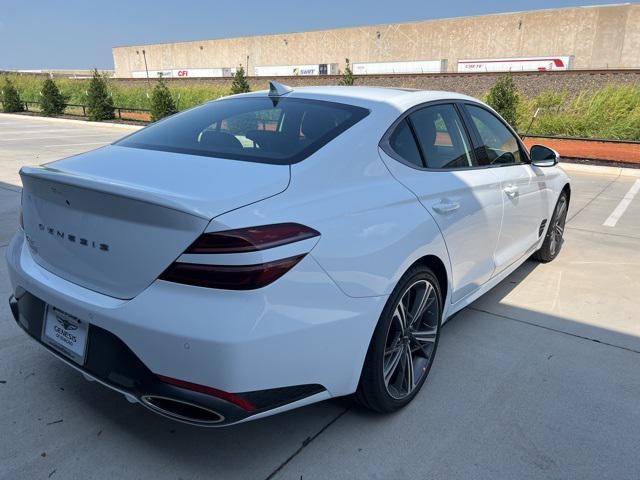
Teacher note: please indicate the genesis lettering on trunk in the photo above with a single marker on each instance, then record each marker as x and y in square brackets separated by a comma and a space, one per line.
[73, 238]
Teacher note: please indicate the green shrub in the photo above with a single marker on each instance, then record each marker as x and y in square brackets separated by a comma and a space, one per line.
[608, 112]
[162, 104]
[99, 102]
[10, 97]
[124, 95]
[503, 98]
[347, 76]
[612, 112]
[52, 101]
[240, 84]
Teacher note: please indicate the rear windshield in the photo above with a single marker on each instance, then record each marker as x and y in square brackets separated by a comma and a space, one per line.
[258, 129]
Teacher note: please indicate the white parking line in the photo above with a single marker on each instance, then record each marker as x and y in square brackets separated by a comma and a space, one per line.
[32, 129]
[38, 130]
[74, 144]
[61, 137]
[622, 206]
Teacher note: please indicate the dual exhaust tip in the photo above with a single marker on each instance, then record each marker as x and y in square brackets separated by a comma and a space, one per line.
[181, 410]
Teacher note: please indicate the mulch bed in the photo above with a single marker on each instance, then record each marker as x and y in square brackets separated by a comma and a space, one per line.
[619, 152]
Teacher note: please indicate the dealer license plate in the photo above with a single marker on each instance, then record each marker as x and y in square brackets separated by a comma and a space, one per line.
[65, 333]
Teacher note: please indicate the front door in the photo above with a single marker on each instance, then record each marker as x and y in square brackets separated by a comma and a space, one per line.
[523, 191]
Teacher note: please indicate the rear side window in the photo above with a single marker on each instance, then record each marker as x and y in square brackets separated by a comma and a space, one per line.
[404, 144]
[258, 129]
[442, 138]
[499, 144]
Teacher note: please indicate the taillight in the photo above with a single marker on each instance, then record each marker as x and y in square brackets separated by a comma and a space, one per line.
[239, 276]
[229, 277]
[251, 239]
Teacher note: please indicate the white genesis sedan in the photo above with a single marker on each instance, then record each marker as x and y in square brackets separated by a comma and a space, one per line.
[269, 250]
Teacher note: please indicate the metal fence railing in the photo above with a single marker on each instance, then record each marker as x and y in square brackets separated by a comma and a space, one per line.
[78, 110]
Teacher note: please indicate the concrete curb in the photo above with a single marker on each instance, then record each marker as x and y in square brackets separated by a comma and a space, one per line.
[85, 123]
[600, 169]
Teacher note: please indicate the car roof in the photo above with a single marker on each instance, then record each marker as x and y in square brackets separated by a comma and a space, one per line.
[400, 98]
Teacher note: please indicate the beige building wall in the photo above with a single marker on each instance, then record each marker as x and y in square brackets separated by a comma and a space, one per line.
[597, 37]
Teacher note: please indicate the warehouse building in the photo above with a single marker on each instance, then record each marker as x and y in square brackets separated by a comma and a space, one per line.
[598, 37]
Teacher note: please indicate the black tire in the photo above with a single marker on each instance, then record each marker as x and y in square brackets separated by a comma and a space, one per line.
[553, 240]
[376, 393]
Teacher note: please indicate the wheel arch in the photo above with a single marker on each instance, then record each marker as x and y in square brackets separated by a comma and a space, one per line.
[440, 271]
[567, 190]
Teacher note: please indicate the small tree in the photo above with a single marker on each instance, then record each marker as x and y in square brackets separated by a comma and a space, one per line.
[347, 76]
[240, 84]
[503, 98]
[52, 101]
[162, 104]
[10, 98]
[99, 102]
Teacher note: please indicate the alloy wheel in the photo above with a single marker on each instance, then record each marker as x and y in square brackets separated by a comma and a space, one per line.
[557, 227]
[411, 339]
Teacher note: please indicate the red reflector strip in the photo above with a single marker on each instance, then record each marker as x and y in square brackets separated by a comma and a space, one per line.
[214, 392]
[251, 239]
[229, 277]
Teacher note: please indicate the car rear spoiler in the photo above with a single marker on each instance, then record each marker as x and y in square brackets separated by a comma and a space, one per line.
[108, 186]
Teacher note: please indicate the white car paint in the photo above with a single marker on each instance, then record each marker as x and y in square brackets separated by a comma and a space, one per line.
[376, 217]
[475, 195]
[525, 201]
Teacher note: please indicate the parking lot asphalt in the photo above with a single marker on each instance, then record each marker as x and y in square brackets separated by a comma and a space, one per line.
[537, 379]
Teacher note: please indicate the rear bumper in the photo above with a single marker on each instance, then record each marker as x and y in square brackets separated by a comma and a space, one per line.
[113, 364]
[293, 342]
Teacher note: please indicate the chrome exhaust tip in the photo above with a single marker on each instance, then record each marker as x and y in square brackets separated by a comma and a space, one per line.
[181, 410]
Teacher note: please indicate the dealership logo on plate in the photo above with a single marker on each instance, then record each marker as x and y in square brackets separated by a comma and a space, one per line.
[66, 324]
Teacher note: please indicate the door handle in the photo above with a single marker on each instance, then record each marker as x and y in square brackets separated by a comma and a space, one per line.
[446, 207]
[511, 191]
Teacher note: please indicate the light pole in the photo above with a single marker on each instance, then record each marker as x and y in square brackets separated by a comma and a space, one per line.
[145, 64]
[144, 55]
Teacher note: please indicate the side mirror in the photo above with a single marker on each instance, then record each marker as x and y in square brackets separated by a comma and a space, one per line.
[542, 156]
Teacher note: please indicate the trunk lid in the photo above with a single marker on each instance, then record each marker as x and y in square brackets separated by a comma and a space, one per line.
[113, 219]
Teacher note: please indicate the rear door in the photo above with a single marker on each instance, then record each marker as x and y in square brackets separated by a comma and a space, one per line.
[523, 190]
[435, 161]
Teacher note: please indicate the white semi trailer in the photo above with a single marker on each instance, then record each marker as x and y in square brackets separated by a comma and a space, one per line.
[297, 70]
[385, 68]
[522, 64]
[185, 73]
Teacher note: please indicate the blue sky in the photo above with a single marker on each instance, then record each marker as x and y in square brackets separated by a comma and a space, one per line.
[80, 34]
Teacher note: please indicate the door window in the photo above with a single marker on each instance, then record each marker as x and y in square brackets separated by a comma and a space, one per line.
[500, 146]
[442, 138]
